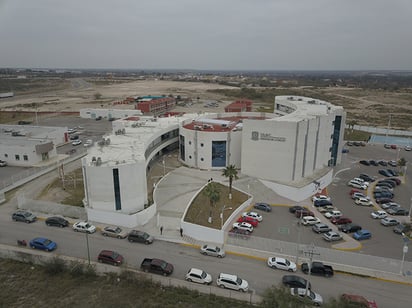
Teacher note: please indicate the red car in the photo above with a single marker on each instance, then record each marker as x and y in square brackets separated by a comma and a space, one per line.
[359, 300]
[248, 219]
[341, 220]
[352, 191]
[111, 257]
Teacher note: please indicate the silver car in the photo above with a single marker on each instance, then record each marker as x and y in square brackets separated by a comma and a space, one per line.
[212, 251]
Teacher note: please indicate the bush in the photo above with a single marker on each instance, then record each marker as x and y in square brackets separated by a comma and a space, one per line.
[55, 266]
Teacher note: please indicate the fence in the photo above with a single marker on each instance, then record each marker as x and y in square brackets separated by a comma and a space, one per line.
[345, 261]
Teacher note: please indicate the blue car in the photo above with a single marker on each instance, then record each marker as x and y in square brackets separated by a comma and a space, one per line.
[362, 235]
[43, 244]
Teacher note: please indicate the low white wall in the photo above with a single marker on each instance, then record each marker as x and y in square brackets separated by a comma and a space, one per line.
[299, 193]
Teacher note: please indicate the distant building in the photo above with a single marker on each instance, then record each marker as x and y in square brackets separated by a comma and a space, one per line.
[239, 106]
[156, 105]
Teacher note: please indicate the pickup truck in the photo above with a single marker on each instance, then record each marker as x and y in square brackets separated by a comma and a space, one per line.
[318, 268]
[157, 266]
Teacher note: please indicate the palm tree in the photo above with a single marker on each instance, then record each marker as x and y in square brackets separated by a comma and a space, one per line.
[231, 173]
[212, 192]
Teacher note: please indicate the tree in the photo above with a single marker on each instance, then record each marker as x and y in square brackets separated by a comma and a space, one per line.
[231, 173]
[212, 192]
[276, 297]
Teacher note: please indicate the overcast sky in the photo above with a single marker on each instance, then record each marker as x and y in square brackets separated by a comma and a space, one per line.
[208, 34]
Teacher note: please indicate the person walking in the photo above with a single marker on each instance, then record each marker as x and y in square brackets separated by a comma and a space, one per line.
[181, 232]
[161, 230]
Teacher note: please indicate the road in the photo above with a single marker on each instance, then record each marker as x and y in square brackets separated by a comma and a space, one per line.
[182, 257]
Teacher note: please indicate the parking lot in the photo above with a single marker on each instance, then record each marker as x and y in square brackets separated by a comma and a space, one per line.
[282, 225]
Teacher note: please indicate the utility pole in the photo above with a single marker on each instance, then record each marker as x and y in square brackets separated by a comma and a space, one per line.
[310, 252]
[298, 242]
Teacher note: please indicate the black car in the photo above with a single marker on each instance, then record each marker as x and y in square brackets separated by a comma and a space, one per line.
[349, 228]
[402, 228]
[263, 206]
[56, 221]
[23, 216]
[366, 177]
[387, 181]
[384, 172]
[322, 202]
[293, 281]
[383, 194]
[392, 172]
[365, 162]
[383, 200]
[295, 208]
[139, 236]
[383, 163]
[398, 181]
[373, 162]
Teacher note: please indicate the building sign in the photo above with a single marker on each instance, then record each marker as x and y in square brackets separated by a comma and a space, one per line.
[266, 136]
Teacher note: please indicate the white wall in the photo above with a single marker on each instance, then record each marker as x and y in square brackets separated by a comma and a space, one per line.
[90, 113]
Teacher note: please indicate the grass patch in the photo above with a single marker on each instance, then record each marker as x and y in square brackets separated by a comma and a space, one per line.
[200, 209]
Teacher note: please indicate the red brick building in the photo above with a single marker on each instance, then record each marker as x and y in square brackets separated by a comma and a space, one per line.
[239, 106]
[156, 106]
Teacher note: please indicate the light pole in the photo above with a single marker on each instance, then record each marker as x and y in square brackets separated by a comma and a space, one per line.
[410, 212]
[404, 250]
[221, 215]
[164, 166]
[298, 242]
[88, 249]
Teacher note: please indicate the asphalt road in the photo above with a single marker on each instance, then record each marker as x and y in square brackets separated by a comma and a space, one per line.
[254, 271]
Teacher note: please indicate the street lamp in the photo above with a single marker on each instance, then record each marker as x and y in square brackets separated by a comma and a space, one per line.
[88, 249]
[404, 250]
[221, 215]
[164, 166]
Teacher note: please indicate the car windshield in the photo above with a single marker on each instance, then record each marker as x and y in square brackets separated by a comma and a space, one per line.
[87, 225]
[47, 242]
[117, 230]
[203, 275]
[115, 255]
[239, 281]
[163, 265]
[311, 295]
[26, 214]
[287, 262]
[145, 235]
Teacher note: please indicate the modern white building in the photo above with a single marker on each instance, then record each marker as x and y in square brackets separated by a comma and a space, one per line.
[291, 151]
[28, 146]
[93, 113]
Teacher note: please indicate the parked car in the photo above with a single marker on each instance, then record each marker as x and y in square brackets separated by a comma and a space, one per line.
[393, 163]
[392, 172]
[320, 197]
[349, 228]
[313, 297]
[319, 203]
[318, 268]
[3, 163]
[388, 205]
[140, 237]
[232, 282]
[381, 188]
[293, 281]
[240, 233]
[366, 177]
[56, 221]
[341, 220]
[243, 226]
[110, 257]
[382, 162]
[295, 208]
[364, 162]
[362, 234]
[357, 185]
[42, 243]
[333, 214]
[157, 266]
[378, 214]
[357, 195]
[388, 183]
[373, 162]
[332, 236]
[321, 228]
[309, 220]
[263, 206]
[114, 231]
[408, 148]
[24, 216]
[77, 142]
[198, 276]
[214, 251]
[384, 172]
[248, 219]
[88, 143]
[388, 221]
[326, 208]
[304, 212]
[84, 226]
[253, 215]
[383, 194]
[397, 180]
[281, 263]
[358, 301]
[363, 202]
[354, 190]
[397, 211]
[402, 228]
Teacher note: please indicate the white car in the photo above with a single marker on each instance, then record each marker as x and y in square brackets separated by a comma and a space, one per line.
[309, 220]
[253, 215]
[363, 202]
[88, 143]
[281, 263]
[320, 197]
[198, 276]
[355, 184]
[357, 195]
[387, 221]
[332, 236]
[232, 282]
[212, 251]
[378, 214]
[360, 181]
[315, 298]
[77, 142]
[84, 226]
[388, 205]
[333, 214]
[408, 148]
[243, 226]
